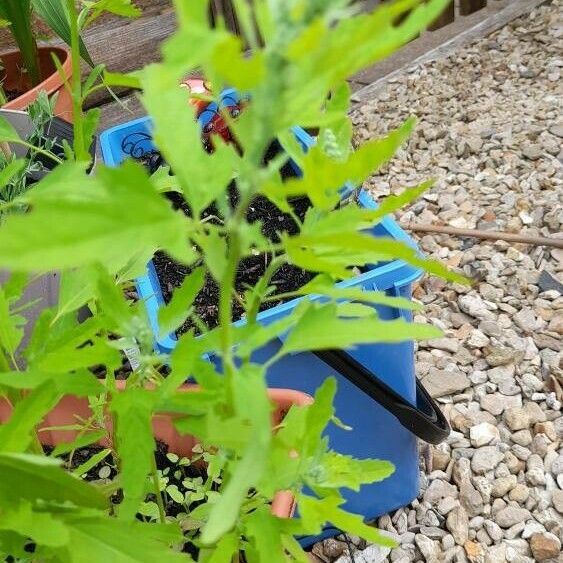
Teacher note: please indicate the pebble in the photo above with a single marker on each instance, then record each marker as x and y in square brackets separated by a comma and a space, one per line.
[485, 459]
[457, 523]
[519, 493]
[439, 490]
[516, 418]
[441, 382]
[511, 515]
[545, 546]
[557, 500]
[483, 434]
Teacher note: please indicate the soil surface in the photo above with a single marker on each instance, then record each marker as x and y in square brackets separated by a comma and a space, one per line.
[106, 469]
[288, 277]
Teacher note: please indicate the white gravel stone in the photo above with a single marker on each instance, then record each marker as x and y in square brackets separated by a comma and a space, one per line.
[511, 515]
[483, 434]
[516, 418]
[457, 523]
[486, 458]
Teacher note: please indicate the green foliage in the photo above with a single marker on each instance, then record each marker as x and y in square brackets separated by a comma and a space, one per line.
[16, 175]
[99, 228]
[55, 15]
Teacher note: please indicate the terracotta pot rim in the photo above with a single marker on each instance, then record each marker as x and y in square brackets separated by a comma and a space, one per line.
[283, 504]
[50, 85]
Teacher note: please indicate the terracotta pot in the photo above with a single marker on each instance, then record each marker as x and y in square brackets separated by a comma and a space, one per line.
[16, 79]
[70, 408]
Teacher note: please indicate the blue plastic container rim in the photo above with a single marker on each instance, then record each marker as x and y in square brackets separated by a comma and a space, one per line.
[387, 276]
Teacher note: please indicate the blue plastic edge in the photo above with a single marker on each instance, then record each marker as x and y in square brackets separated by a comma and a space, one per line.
[148, 286]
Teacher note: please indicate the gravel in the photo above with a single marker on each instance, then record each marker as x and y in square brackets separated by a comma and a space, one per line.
[490, 130]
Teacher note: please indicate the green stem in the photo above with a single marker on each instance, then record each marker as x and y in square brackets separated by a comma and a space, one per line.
[264, 282]
[158, 494]
[80, 152]
[38, 150]
[226, 314]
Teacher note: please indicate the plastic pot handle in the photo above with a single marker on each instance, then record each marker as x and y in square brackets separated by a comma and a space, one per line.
[425, 420]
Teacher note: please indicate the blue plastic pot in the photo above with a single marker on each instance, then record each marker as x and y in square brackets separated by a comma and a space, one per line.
[377, 433]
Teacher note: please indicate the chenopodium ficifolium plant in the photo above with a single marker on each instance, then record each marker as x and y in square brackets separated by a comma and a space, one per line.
[100, 230]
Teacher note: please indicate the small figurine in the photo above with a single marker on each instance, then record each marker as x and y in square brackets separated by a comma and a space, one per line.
[208, 112]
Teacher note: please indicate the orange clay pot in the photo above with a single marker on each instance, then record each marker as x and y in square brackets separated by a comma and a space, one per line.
[71, 408]
[15, 78]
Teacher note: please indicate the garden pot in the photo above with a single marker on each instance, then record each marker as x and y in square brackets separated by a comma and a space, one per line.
[378, 393]
[70, 408]
[15, 79]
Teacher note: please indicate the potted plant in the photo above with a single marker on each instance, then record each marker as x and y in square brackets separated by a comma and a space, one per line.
[377, 382]
[32, 68]
[102, 231]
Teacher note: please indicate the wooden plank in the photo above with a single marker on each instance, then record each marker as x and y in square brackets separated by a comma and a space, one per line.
[149, 8]
[445, 18]
[467, 7]
[128, 47]
[115, 113]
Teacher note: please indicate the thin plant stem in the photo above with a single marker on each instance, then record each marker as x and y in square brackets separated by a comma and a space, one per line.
[158, 494]
[79, 149]
[38, 150]
[254, 307]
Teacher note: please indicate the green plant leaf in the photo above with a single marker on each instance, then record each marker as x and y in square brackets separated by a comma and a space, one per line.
[175, 313]
[249, 388]
[11, 328]
[202, 176]
[214, 247]
[263, 531]
[317, 512]
[345, 471]
[320, 329]
[91, 462]
[76, 288]
[80, 441]
[237, 68]
[323, 175]
[324, 285]
[361, 249]
[130, 80]
[54, 14]
[105, 219]
[125, 8]
[81, 383]
[11, 169]
[226, 548]
[32, 478]
[17, 434]
[41, 527]
[133, 410]
[121, 542]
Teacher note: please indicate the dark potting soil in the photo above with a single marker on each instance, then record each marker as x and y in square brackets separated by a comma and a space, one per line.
[172, 508]
[287, 278]
[12, 94]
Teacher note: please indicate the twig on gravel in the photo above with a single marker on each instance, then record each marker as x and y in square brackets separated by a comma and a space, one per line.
[487, 235]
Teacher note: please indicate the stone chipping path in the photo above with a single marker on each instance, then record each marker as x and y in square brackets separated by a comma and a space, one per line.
[490, 130]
